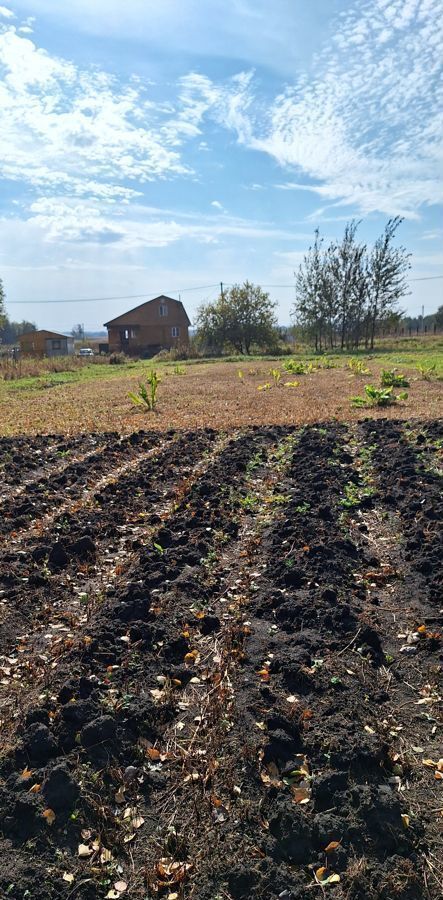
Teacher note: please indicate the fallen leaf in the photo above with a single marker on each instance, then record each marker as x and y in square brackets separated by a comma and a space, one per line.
[49, 815]
[137, 822]
[84, 850]
[112, 895]
[35, 789]
[320, 873]
[26, 774]
[300, 794]
[405, 819]
[105, 856]
[332, 846]
[191, 656]
[67, 876]
[429, 763]
[332, 879]
[121, 886]
[153, 753]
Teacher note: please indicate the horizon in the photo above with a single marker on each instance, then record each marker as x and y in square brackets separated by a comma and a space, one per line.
[148, 151]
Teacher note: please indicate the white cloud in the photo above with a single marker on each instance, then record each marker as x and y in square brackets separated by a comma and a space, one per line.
[80, 130]
[69, 221]
[6, 12]
[217, 205]
[368, 130]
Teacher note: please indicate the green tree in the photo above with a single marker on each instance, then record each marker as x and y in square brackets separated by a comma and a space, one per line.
[439, 318]
[243, 318]
[386, 276]
[2, 305]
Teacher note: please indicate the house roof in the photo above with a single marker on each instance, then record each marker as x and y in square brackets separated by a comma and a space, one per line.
[118, 319]
[48, 334]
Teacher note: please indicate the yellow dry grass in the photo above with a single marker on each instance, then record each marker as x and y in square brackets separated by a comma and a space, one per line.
[208, 395]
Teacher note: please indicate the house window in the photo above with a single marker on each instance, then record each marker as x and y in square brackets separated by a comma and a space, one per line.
[126, 334]
[56, 345]
[133, 333]
[175, 331]
[163, 310]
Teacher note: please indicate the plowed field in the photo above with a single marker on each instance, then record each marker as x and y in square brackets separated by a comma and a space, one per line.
[220, 664]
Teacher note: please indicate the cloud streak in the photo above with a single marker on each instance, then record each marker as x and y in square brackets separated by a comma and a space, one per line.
[368, 129]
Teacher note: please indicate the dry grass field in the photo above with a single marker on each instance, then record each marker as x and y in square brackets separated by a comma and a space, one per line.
[218, 395]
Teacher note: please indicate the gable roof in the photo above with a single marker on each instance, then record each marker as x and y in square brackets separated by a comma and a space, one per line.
[118, 319]
[49, 334]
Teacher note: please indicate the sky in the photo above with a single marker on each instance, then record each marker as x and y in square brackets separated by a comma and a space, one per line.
[150, 148]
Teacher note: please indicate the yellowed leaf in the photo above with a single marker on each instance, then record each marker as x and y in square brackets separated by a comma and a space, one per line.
[26, 773]
[429, 763]
[67, 876]
[49, 815]
[320, 873]
[35, 789]
[332, 846]
[153, 753]
[405, 819]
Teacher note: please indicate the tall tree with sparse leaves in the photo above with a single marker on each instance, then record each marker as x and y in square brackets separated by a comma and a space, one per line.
[345, 292]
[2, 305]
[386, 276]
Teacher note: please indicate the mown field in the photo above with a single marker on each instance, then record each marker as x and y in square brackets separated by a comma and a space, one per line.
[221, 648]
[94, 397]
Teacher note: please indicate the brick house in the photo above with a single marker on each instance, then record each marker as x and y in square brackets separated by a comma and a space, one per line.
[158, 324]
[45, 343]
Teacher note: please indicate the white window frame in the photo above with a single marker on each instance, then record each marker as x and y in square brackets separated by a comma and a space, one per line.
[163, 310]
[175, 331]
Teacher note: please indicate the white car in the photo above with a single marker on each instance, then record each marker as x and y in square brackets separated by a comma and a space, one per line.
[86, 351]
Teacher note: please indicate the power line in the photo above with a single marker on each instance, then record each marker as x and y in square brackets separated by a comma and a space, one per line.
[202, 287]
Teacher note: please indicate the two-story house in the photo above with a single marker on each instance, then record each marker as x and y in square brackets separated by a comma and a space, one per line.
[158, 324]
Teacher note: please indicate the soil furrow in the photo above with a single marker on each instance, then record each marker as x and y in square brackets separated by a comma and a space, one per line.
[233, 715]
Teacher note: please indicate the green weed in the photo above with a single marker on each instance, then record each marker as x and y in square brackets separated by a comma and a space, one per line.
[146, 395]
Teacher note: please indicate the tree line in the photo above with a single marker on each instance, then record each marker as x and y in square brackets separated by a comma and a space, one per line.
[344, 292]
[10, 331]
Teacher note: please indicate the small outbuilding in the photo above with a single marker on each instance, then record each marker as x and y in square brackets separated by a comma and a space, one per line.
[159, 324]
[46, 343]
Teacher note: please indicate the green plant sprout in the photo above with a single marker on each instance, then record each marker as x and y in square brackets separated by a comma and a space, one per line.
[146, 396]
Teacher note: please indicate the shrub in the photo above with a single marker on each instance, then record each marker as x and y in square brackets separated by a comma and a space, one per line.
[117, 359]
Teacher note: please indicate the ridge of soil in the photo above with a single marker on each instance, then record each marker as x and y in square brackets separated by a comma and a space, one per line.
[220, 669]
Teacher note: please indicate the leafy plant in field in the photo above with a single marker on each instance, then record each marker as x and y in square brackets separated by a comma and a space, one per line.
[146, 396]
[358, 367]
[390, 378]
[178, 370]
[354, 494]
[264, 387]
[426, 372]
[303, 508]
[248, 502]
[377, 397]
[298, 368]
[292, 383]
[276, 376]
[326, 364]
[240, 374]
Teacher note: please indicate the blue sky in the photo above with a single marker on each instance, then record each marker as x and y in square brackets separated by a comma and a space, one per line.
[154, 147]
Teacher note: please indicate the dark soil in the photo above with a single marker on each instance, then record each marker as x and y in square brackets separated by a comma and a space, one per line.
[221, 664]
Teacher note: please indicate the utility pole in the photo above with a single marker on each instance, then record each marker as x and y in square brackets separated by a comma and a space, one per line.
[221, 290]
